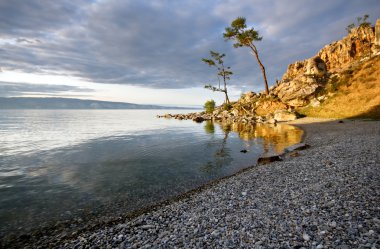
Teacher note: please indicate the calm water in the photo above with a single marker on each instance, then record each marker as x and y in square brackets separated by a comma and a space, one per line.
[58, 165]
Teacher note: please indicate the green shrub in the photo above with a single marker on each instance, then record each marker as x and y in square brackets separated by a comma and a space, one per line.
[227, 107]
[209, 106]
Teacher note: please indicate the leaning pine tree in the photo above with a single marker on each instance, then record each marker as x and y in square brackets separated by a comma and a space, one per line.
[245, 37]
[223, 72]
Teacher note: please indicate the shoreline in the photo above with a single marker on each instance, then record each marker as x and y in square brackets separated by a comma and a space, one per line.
[139, 220]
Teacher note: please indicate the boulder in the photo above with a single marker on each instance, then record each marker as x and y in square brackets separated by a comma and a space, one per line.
[269, 159]
[301, 82]
[314, 103]
[282, 116]
[198, 119]
[297, 92]
[315, 67]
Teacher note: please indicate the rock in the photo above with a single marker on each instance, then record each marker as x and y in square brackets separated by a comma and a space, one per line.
[294, 154]
[314, 103]
[215, 233]
[244, 151]
[355, 45]
[315, 67]
[283, 115]
[248, 96]
[198, 119]
[370, 232]
[299, 146]
[268, 159]
[216, 112]
[146, 227]
[269, 105]
[332, 224]
[235, 112]
[297, 91]
[303, 79]
[306, 237]
[271, 121]
[377, 32]
[376, 47]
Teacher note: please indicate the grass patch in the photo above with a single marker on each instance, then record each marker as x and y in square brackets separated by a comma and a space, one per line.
[355, 94]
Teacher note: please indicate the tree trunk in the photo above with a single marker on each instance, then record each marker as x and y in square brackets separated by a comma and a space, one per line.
[225, 86]
[256, 53]
[227, 99]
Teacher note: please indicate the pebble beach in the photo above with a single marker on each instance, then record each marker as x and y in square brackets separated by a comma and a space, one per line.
[327, 196]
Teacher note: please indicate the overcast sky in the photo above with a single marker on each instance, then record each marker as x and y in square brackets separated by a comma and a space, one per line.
[150, 51]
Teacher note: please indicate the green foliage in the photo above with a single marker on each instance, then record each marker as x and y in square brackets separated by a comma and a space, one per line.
[224, 73]
[209, 127]
[350, 27]
[213, 88]
[242, 35]
[227, 107]
[245, 37]
[209, 106]
[361, 22]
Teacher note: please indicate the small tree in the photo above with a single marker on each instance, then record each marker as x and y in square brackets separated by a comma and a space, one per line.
[350, 27]
[245, 37]
[361, 22]
[223, 72]
[209, 106]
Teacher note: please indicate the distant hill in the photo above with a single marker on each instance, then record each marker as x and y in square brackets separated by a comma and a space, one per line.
[68, 103]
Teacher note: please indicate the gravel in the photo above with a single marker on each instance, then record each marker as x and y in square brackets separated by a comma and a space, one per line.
[324, 197]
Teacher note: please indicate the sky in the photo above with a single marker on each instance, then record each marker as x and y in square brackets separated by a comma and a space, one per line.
[149, 52]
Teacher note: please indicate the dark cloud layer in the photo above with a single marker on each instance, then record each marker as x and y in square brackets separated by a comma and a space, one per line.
[159, 44]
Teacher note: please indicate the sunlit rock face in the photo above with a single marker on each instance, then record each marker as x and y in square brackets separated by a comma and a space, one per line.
[377, 37]
[356, 45]
[303, 79]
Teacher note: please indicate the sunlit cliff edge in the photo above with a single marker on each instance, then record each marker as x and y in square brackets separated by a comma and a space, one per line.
[341, 81]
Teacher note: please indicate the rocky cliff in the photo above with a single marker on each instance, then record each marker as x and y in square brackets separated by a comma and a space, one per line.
[341, 80]
[303, 79]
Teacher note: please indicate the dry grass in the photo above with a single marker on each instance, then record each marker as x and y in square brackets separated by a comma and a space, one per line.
[356, 95]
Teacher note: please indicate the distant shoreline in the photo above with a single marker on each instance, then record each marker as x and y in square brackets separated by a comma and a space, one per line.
[26, 103]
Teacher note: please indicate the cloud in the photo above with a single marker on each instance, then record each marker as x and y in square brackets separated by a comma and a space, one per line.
[8, 89]
[159, 44]
[36, 18]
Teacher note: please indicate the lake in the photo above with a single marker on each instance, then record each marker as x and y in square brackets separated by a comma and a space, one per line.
[77, 165]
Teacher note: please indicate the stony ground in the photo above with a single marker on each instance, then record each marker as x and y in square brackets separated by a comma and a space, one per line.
[327, 196]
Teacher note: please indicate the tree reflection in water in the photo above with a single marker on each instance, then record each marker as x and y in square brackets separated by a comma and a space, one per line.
[273, 137]
[222, 155]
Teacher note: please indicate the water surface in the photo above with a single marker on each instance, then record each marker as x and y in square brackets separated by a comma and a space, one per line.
[58, 165]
